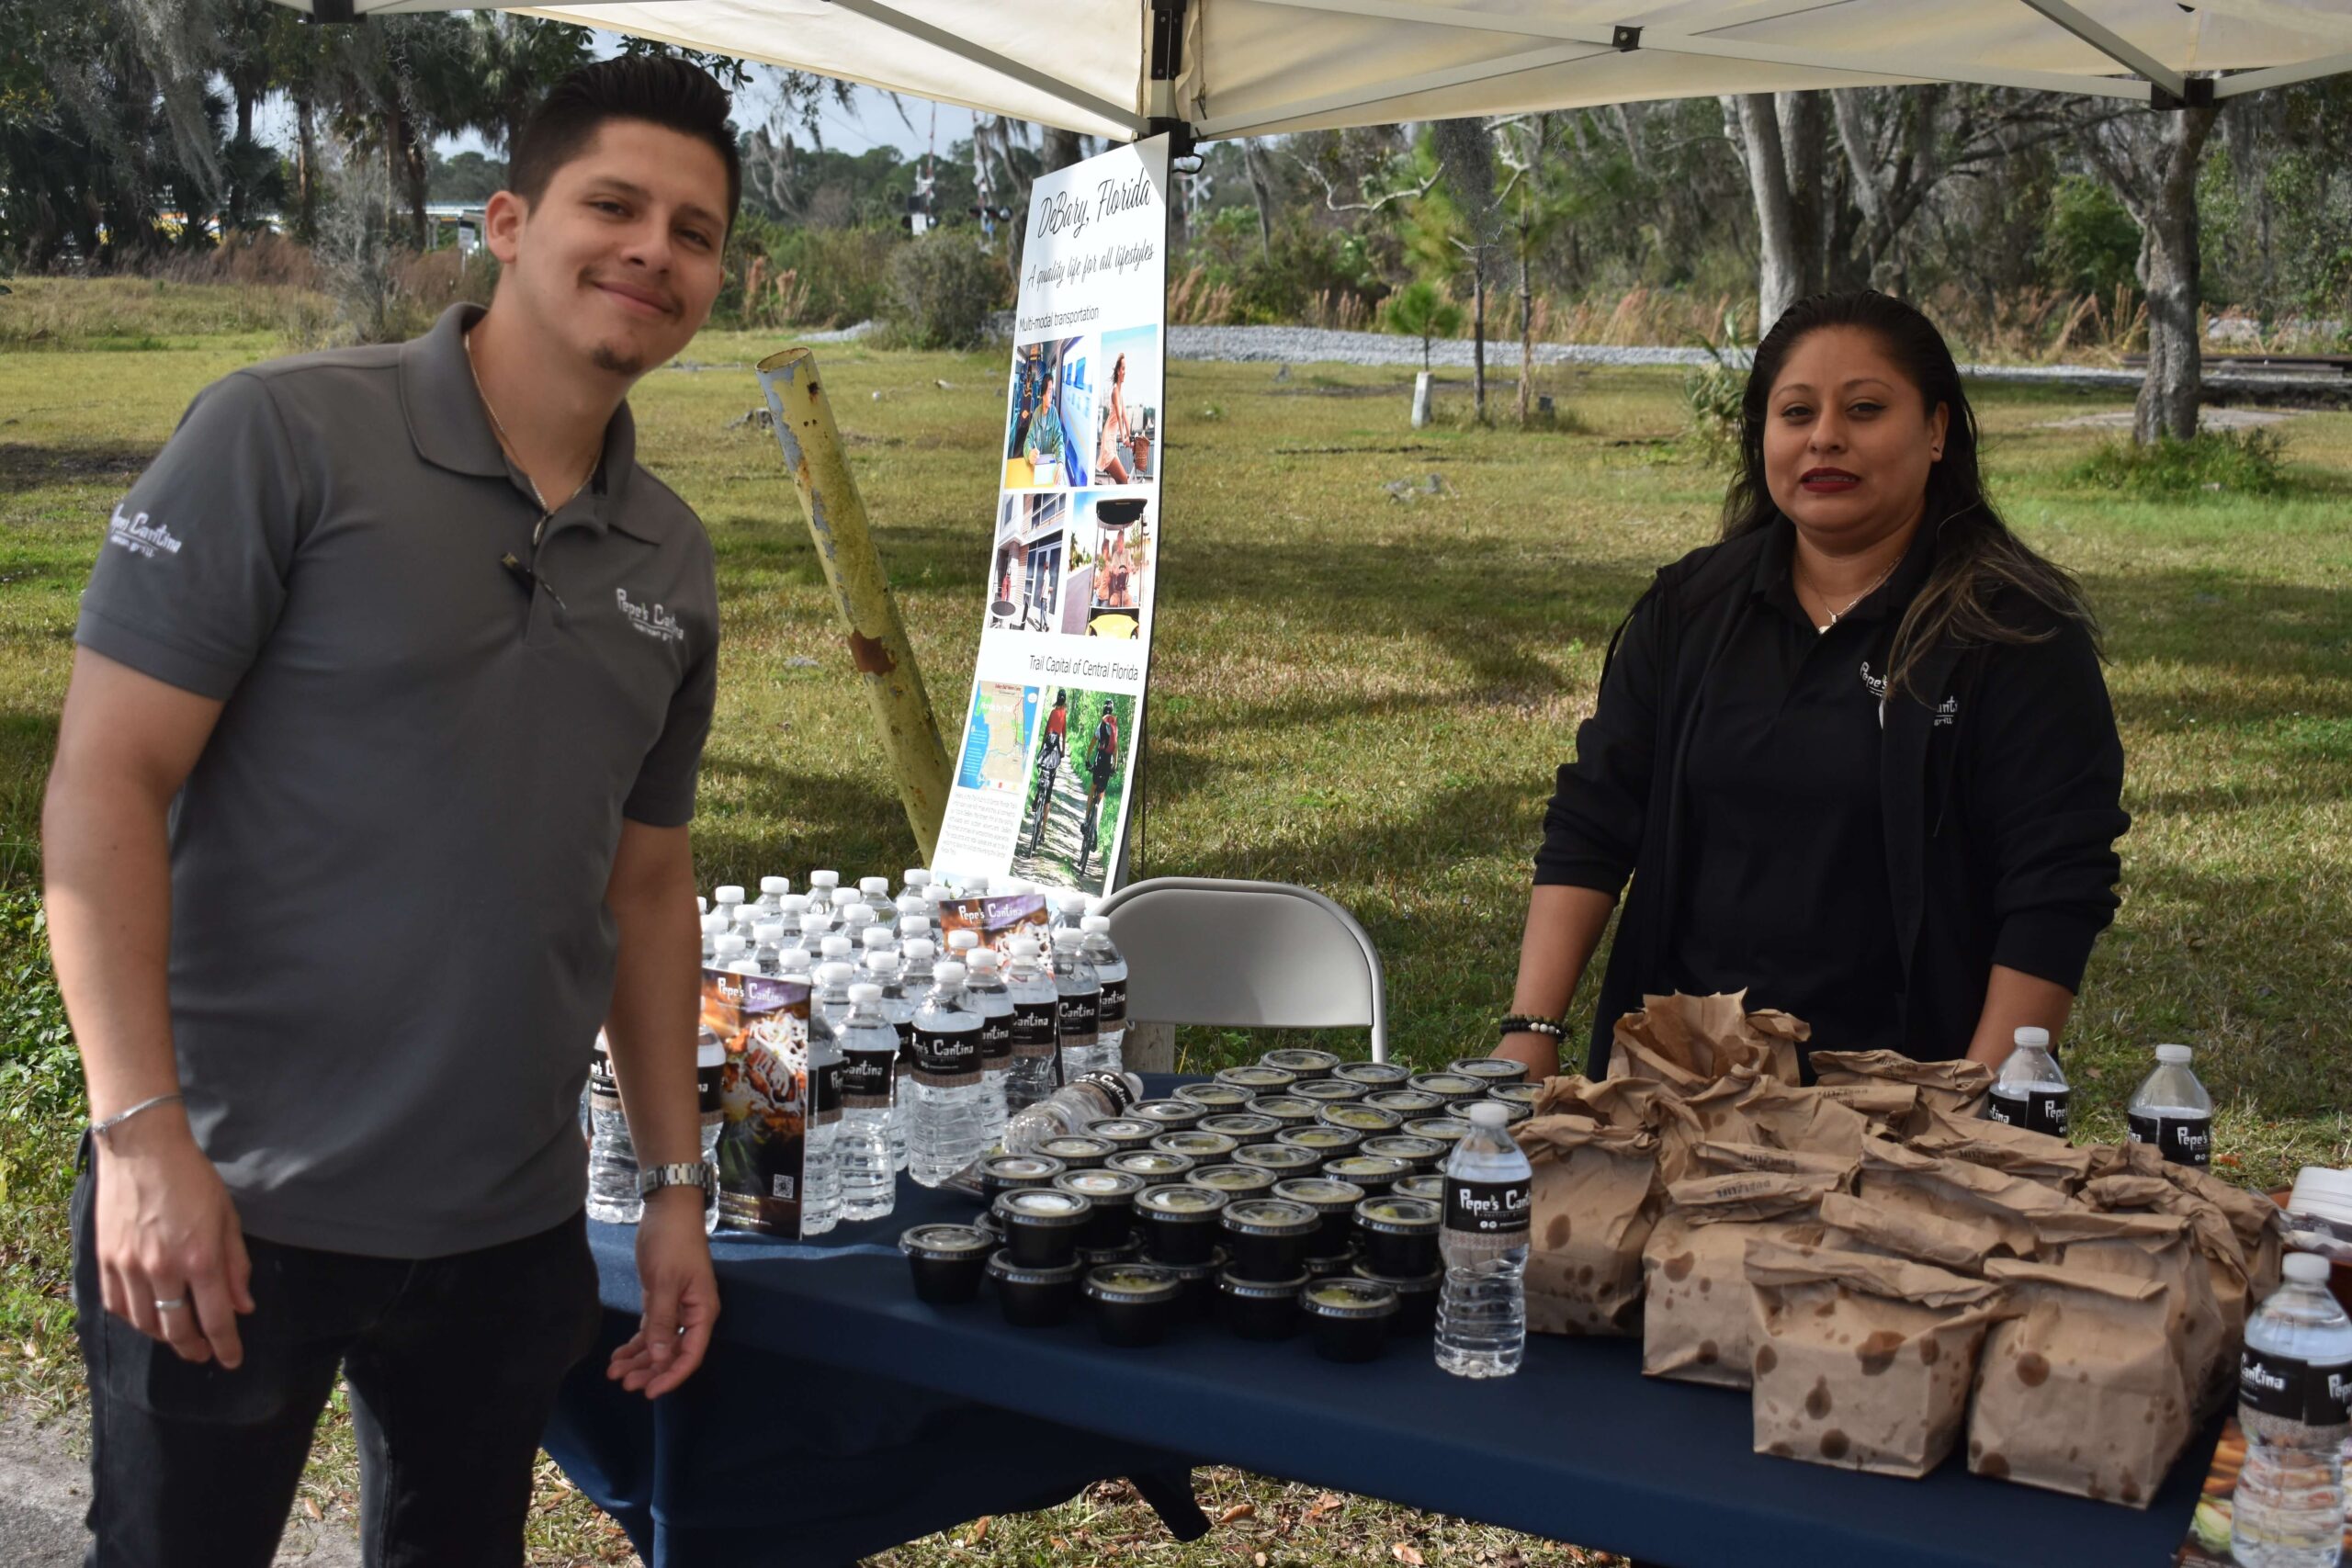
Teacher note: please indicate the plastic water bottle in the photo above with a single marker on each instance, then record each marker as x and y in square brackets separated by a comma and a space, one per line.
[2030, 1090]
[794, 966]
[1070, 911]
[882, 968]
[876, 939]
[869, 1047]
[772, 892]
[2172, 1110]
[1036, 1054]
[1068, 1110]
[985, 985]
[822, 887]
[612, 1158]
[1482, 1307]
[912, 882]
[1077, 992]
[837, 949]
[828, 1002]
[726, 901]
[1111, 969]
[820, 1171]
[2295, 1408]
[767, 946]
[713, 927]
[710, 1082]
[853, 918]
[726, 951]
[876, 891]
[949, 1129]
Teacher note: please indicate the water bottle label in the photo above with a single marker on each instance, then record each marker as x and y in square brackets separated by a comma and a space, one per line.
[2294, 1388]
[1076, 1019]
[947, 1053]
[2183, 1140]
[996, 1040]
[1487, 1208]
[825, 1093]
[603, 1089]
[711, 1086]
[1114, 1001]
[1032, 1029]
[2038, 1111]
[1113, 1086]
[907, 1051]
[865, 1079]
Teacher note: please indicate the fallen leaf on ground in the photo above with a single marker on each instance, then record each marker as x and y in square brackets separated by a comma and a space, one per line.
[1407, 1554]
[1238, 1511]
[980, 1531]
[1259, 1560]
[1322, 1505]
[311, 1508]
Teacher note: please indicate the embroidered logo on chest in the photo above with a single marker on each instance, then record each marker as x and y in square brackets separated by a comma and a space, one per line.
[648, 620]
[1946, 712]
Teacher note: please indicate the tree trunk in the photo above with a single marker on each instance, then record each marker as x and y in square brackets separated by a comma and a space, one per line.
[1479, 335]
[1526, 341]
[306, 169]
[1262, 188]
[1062, 148]
[2170, 390]
[1780, 269]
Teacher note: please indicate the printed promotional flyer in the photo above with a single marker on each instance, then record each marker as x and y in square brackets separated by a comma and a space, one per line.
[1041, 777]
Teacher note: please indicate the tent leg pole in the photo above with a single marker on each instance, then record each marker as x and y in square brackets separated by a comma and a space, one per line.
[876, 635]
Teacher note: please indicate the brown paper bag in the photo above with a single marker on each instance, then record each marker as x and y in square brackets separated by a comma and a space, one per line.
[1712, 1159]
[1857, 1225]
[2079, 1390]
[1997, 1146]
[1617, 1102]
[1959, 1086]
[1890, 1109]
[1695, 1317]
[1991, 1207]
[2254, 1220]
[1594, 1202]
[1687, 1043]
[1797, 1118]
[2158, 1247]
[2209, 1232]
[1862, 1361]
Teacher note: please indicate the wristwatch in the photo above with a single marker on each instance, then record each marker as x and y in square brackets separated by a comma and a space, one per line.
[654, 1178]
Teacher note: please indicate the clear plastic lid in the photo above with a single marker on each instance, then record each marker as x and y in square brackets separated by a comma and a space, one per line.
[2174, 1055]
[865, 994]
[776, 886]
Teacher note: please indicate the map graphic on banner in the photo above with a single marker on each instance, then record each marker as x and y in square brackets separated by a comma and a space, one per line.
[1050, 732]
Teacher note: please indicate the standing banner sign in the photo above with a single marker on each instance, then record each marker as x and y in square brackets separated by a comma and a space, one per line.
[1041, 786]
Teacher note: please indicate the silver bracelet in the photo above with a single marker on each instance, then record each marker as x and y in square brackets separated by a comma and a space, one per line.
[99, 1130]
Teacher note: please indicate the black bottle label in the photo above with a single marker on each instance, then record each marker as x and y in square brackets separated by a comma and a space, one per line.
[1076, 1017]
[865, 1079]
[1114, 1002]
[2038, 1111]
[1032, 1029]
[604, 1089]
[1487, 1208]
[947, 1053]
[2183, 1140]
[2294, 1388]
[996, 1040]
[825, 1092]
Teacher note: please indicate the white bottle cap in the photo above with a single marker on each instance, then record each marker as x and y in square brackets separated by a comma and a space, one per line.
[881, 963]
[816, 922]
[909, 902]
[982, 961]
[874, 886]
[913, 925]
[834, 947]
[715, 925]
[827, 879]
[1072, 902]
[727, 946]
[963, 941]
[793, 958]
[1023, 946]
[974, 886]
[2174, 1055]
[914, 876]
[1488, 1114]
[865, 994]
[742, 967]
[859, 913]
[1093, 923]
[779, 886]
[919, 951]
[2304, 1267]
[834, 974]
[795, 905]
[933, 892]
[1013, 886]
[949, 973]
[710, 1054]
[768, 931]
[702, 905]
[731, 894]
[2030, 1036]
[875, 938]
[1067, 937]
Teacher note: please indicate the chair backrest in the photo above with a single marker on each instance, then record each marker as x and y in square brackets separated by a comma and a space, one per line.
[1247, 955]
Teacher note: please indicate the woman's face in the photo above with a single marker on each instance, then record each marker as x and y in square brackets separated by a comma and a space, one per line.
[1848, 439]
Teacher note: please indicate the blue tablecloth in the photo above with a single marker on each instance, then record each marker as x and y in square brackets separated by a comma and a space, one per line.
[838, 1416]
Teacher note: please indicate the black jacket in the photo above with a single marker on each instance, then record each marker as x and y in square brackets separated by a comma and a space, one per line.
[2000, 798]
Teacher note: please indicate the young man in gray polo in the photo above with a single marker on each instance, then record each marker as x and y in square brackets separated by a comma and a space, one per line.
[370, 806]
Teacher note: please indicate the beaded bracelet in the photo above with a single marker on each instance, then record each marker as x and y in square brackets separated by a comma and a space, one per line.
[1550, 1028]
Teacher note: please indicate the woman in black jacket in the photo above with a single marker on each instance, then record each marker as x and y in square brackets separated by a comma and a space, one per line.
[1858, 757]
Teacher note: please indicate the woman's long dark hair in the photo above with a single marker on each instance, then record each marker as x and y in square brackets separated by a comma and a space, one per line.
[1976, 556]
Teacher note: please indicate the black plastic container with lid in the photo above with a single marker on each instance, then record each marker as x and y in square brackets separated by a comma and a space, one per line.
[947, 1261]
[1398, 1236]
[1034, 1297]
[1330, 1091]
[1170, 1115]
[1205, 1148]
[1197, 1298]
[1492, 1071]
[1374, 1173]
[1124, 1133]
[1266, 1237]
[1282, 1159]
[1000, 1174]
[1212, 1096]
[1514, 1110]
[1416, 1299]
[1329, 1143]
[1158, 1168]
[1259, 1309]
[1516, 1093]
[1181, 1224]
[1287, 1110]
[1078, 1152]
[1247, 1126]
[1350, 1315]
[1258, 1078]
[1429, 1184]
[1446, 1129]
[1450, 1087]
[1113, 1193]
[1236, 1181]
[1334, 1203]
[1421, 1155]
[1041, 1224]
[1359, 1117]
[1407, 1102]
[1302, 1062]
[1134, 1303]
[1127, 1251]
[1374, 1075]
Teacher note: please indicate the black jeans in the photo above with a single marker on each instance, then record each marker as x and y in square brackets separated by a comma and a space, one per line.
[453, 1363]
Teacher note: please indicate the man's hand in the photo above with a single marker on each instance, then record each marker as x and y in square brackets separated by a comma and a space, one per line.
[681, 1295]
[167, 1232]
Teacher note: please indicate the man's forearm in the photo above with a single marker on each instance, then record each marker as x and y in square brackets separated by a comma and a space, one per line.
[106, 856]
[655, 1016]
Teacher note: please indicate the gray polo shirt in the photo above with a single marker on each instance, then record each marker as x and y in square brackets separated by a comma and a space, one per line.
[390, 953]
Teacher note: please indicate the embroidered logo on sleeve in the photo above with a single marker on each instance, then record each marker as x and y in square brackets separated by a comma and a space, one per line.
[138, 533]
[648, 620]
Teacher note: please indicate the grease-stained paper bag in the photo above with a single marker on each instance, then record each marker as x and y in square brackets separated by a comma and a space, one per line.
[2079, 1390]
[1594, 1201]
[1857, 1225]
[1890, 1109]
[1862, 1361]
[1958, 1086]
[1687, 1043]
[1696, 1324]
[1993, 1209]
[1997, 1146]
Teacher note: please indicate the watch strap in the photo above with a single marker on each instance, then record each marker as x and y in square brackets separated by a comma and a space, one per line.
[654, 1178]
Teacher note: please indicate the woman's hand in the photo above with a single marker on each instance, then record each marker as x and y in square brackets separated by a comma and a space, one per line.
[1539, 1052]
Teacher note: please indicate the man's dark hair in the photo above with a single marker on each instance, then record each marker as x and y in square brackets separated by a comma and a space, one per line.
[658, 89]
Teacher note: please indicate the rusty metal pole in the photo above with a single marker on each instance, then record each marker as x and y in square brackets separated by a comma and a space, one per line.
[878, 637]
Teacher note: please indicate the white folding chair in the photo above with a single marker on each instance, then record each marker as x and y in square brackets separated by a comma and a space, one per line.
[1247, 955]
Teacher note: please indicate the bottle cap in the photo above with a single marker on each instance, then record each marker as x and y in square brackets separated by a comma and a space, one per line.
[975, 887]
[729, 945]
[2304, 1267]
[858, 915]
[875, 938]
[794, 905]
[742, 967]
[779, 886]
[768, 931]
[865, 994]
[950, 974]
[731, 894]
[793, 958]
[2032, 1037]
[1487, 1114]
[2174, 1055]
[834, 947]
[919, 950]
[914, 876]
[835, 974]
[815, 920]
[1093, 923]
[874, 886]
[1023, 946]
[963, 941]
[880, 963]
[1073, 902]
[715, 925]
[982, 961]
[702, 905]
[1068, 939]
[824, 879]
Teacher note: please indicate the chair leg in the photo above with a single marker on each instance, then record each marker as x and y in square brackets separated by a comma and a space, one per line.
[1169, 1492]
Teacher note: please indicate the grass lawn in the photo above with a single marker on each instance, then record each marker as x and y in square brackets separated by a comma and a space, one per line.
[1363, 694]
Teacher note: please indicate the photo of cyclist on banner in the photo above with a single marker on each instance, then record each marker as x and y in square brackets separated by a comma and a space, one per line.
[1076, 784]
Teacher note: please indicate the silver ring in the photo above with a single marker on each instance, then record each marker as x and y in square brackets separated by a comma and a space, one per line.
[172, 1305]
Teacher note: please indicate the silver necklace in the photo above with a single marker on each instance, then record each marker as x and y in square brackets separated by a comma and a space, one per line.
[498, 428]
[1837, 616]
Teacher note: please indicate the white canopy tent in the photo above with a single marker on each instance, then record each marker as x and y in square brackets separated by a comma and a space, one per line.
[1234, 68]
